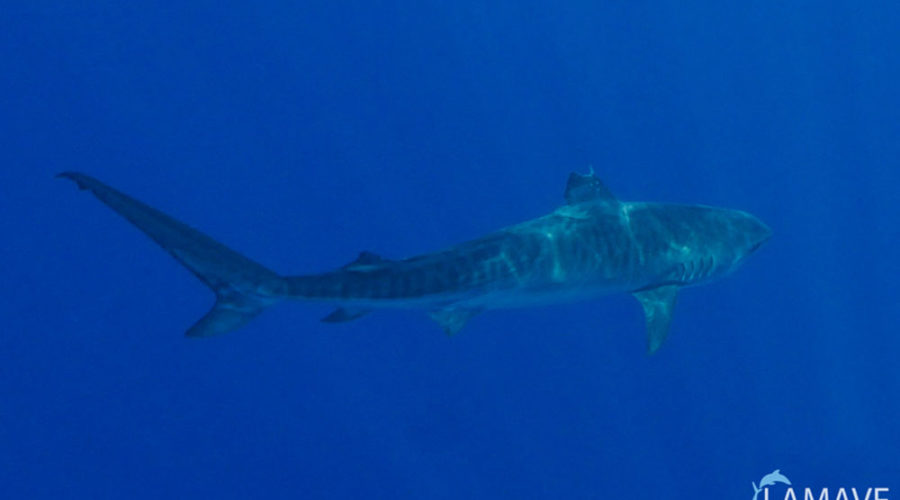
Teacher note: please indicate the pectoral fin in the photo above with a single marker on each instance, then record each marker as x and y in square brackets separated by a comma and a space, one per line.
[658, 304]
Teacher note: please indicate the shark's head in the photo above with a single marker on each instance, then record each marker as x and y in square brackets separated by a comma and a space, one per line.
[702, 243]
[747, 232]
[728, 237]
[735, 236]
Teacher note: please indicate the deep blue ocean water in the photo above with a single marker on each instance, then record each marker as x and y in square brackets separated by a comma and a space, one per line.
[300, 133]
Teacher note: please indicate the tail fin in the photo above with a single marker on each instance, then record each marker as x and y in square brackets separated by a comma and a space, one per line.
[243, 288]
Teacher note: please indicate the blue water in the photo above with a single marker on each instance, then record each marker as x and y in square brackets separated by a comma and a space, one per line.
[303, 132]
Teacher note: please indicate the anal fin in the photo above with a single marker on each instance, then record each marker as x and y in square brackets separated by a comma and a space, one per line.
[453, 319]
[658, 304]
[343, 314]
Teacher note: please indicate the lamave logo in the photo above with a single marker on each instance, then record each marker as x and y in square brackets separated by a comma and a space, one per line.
[769, 480]
[776, 478]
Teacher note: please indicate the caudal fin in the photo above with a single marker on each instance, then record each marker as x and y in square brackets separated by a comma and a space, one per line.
[243, 288]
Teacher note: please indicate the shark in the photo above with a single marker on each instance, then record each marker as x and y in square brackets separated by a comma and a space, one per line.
[591, 246]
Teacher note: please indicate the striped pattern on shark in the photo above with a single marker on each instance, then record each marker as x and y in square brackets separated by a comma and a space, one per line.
[594, 245]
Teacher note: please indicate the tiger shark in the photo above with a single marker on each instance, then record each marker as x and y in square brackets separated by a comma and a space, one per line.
[593, 245]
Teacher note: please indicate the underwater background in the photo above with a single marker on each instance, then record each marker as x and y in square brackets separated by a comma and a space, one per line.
[300, 133]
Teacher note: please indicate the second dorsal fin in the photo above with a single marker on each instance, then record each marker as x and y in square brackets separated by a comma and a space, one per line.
[366, 260]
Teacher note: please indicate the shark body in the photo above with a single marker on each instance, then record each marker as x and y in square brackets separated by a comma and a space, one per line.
[592, 246]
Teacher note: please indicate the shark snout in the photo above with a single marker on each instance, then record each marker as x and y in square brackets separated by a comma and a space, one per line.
[758, 234]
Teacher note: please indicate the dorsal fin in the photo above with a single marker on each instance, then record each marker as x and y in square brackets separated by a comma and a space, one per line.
[365, 261]
[587, 189]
